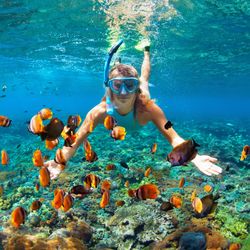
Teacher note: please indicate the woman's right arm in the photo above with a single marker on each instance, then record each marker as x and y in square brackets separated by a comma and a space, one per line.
[93, 118]
[145, 73]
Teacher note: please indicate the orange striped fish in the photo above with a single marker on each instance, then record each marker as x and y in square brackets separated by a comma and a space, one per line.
[197, 205]
[176, 201]
[119, 203]
[91, 180]
[4, 157]
[37, 158]
[234, 246]
[208, 188]
[110, 167]
[245, 152]
[46, 113]
[105, 199]
[35, 205]
[106, 184]
[147, 172]
[154, 148]
[58, 198]
[36, 124]
[126, 184]
[109, 122]
[44, 177]
[118, 133]
[181, 182]
[67, 203]
[18, 216]
[4, 121]
[147, 191]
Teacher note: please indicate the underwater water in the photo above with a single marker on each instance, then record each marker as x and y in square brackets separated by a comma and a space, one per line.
[52, 55]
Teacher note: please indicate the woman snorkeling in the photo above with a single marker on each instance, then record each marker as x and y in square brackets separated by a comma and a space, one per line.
[127, 99]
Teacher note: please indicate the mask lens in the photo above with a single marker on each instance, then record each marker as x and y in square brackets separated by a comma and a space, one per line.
[130, 84]
[117, 84]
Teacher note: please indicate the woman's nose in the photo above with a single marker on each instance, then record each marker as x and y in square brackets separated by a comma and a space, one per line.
[123, 91]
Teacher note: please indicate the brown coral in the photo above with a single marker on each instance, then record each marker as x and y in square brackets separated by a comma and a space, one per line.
[80, 230]
[214, 240]
[29, 242]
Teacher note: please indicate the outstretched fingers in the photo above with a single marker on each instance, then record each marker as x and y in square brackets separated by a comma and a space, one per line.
[216, 169]
[206, 172]
[212, 169]
[212, 159]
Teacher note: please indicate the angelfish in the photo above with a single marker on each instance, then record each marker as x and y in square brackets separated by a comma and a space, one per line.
[183, 153]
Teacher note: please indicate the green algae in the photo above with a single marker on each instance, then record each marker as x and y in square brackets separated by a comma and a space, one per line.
[246, 243]
[232, 227]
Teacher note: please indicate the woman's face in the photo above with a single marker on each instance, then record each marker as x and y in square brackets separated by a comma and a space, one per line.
[124, 97]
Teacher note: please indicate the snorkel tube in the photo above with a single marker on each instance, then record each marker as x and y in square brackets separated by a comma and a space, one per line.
[112, 51]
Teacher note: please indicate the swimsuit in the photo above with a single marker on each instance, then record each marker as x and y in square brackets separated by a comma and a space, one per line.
[127, 121]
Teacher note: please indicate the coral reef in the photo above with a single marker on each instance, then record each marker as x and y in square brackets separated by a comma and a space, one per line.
[138, 225]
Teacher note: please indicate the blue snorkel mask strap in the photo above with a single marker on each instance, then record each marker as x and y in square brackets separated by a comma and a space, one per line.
[112, 51]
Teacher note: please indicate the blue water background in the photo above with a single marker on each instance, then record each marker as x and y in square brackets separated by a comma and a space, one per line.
[52, 54]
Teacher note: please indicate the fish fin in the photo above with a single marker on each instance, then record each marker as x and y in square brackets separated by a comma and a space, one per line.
[195, 143]
[29, 129]
[43, 135]
[216, 196]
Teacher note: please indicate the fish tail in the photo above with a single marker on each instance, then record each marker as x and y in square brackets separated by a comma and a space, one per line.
[53, 204]
[131, 193]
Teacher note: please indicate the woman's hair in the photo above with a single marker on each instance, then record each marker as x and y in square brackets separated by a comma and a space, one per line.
[124, 70]
[141, 101]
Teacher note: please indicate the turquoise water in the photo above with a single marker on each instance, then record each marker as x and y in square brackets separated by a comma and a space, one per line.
[52, 55]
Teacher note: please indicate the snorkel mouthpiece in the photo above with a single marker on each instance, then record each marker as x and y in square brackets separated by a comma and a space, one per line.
[112, 51]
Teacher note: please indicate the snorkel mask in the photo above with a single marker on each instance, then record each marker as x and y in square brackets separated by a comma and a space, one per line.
[123, 85]
[110, 107]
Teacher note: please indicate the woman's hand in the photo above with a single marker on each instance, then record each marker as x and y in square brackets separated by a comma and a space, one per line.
[206, 164]
[54, 168]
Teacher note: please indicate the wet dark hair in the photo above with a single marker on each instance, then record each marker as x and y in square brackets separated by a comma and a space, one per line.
[124, 70]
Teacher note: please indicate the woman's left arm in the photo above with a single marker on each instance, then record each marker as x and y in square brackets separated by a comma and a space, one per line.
[204, 163]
